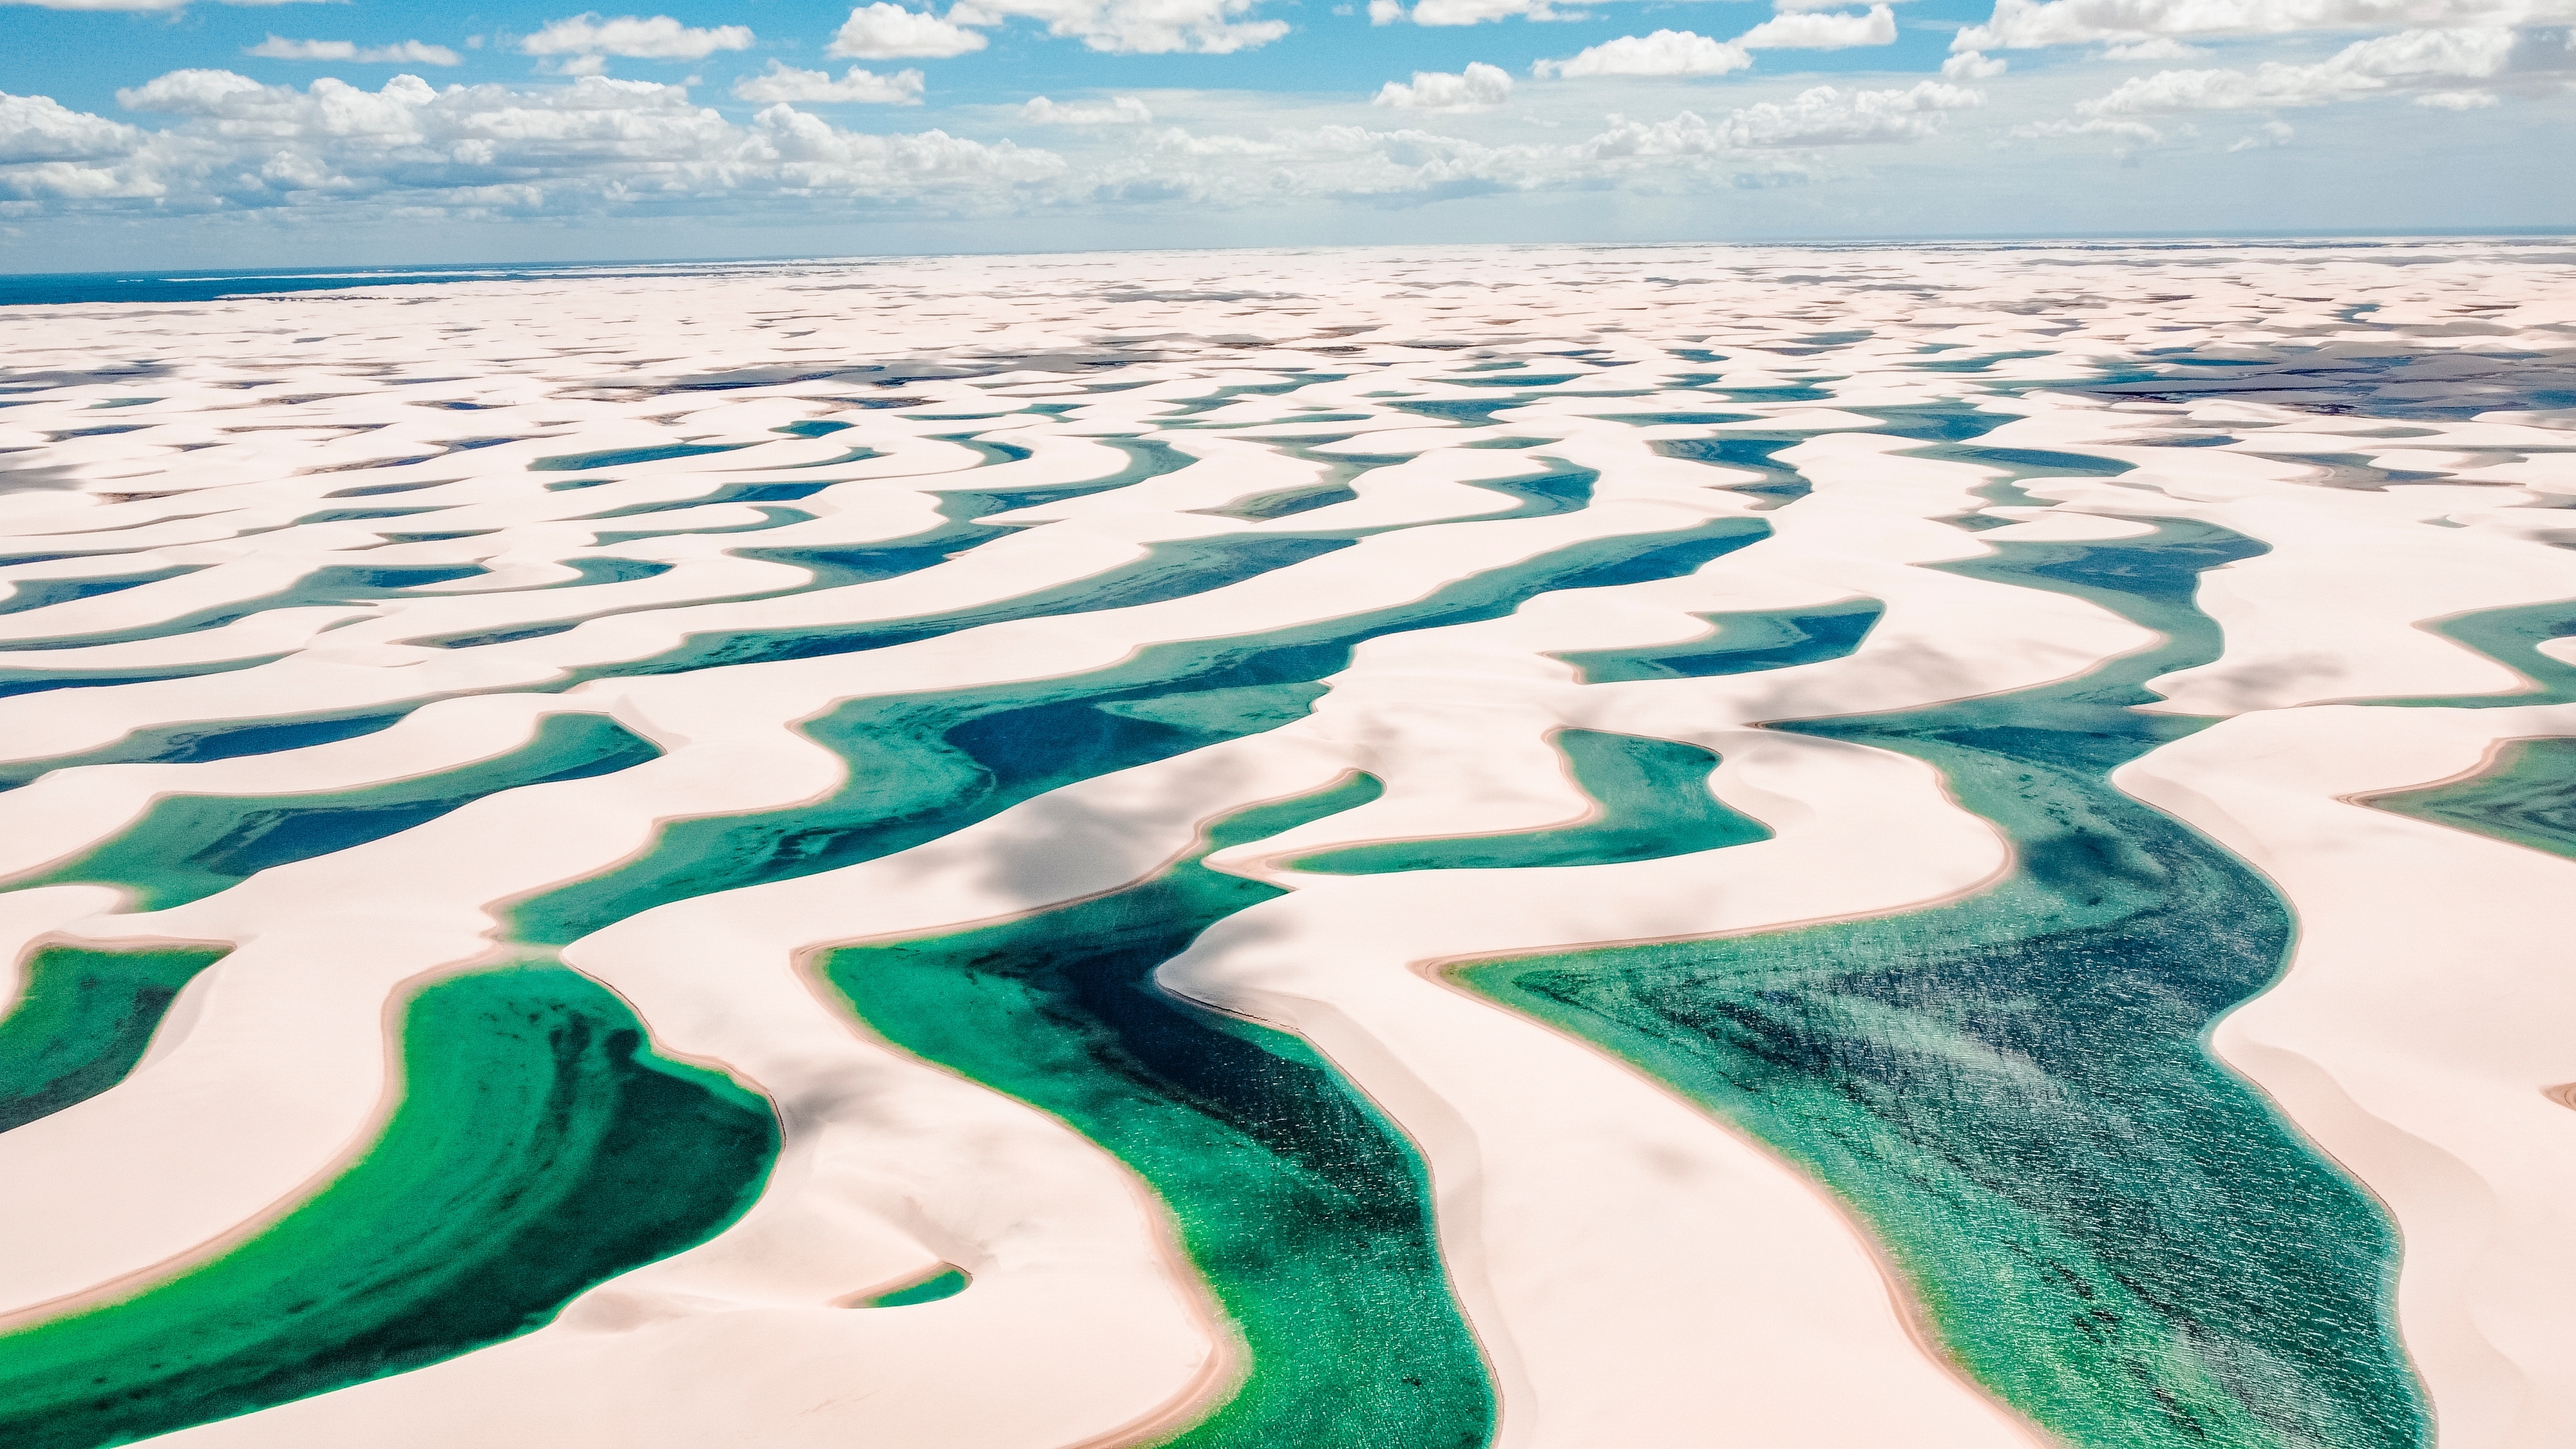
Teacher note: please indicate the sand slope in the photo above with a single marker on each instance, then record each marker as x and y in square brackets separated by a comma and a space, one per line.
[413, 525]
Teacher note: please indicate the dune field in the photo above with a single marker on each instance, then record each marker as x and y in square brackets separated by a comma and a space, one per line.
[1548, 847]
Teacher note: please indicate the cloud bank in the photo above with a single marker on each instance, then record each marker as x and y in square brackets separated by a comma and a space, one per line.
[1124, 111]
[598, 146]
[1480, 87]
[1813, 30]
[890, 32]
[1666, 52]
[786, 83]
[409, 52]
[583, 44]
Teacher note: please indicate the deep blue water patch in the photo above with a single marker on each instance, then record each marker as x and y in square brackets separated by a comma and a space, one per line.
[727, 493]
[37, 681]
[1744, 643]
[200, 741]
[771, 516]
[924, 765]
[187, 847]
[39, 593]
[329, 585]
[628, 457]
[1169, 570]
[1778, 484]
[1562, 491]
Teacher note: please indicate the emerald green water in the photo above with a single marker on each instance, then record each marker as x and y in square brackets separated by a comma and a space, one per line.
[2512, 637]
[959, 531]
[1288, 502]
[1746, 643]
[1563, 491]
[2106, 1228]
[1170, 570]
[539, 1148]
[26, 594]
[721, 493]
[1305, 1208]
[83, 1020]
[923, 765]
[328, 585]
[928, 1290]
[955, 534]
[39, 681]
[187, 847]
[770, 517]
[1779, 483]
[1654, 802]
[208, 740]
[2528, 797]
[627, 457]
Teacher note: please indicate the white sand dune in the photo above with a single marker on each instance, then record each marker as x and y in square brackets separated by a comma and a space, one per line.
[2415, 1041]
[581, 460]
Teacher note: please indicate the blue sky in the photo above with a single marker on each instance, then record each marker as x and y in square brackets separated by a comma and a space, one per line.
[317, 133]
[82, 57]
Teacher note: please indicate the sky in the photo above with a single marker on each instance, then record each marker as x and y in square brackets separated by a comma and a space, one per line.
[190, 133]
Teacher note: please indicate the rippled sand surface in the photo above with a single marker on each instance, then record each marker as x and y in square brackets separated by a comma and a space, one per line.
[1436, 847]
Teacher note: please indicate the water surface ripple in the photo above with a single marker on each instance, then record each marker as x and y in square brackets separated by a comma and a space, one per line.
[619, 825]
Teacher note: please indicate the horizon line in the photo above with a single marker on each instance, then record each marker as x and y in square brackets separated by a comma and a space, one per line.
[2515, 233]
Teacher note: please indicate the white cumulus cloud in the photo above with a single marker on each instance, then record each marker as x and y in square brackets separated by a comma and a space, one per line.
[1822, 116]
[2263, 138]
[332, 153]
[1481, 87]
[2162, 47]
[1826, 116]
[810, 152]
[1666, 52]
[786, 83]
[204, 92]
[2127, 130]
[1464, 12]
[1969, 65]
[659, 38]
[2411, 59]
[2457, 100]
[1135, 27]
[1815, 30]
[40, 129]
[2027, 24]
[409, 52]
[890, 32]
[1124, 111]
[593, 147]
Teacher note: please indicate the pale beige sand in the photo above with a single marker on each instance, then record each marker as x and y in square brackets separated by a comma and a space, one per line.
[1723, 1284]
[2415, 1039]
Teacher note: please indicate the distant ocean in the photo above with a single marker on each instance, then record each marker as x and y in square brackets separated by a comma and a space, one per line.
[54, 289]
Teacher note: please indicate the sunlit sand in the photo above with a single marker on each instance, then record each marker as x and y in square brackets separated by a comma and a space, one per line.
[681, 630]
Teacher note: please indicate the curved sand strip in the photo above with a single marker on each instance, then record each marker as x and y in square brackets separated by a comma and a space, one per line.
[729, 752]
[235, 473]
[1765, 1204]
[2415, 1045]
